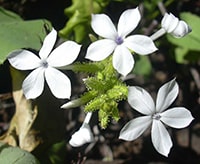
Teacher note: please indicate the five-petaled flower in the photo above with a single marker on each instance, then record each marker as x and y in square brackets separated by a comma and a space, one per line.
[45, 67]
[177, 117]
[117, 41]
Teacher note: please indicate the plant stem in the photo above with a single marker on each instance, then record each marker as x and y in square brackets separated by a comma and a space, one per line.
[88, 117]
[158, 34]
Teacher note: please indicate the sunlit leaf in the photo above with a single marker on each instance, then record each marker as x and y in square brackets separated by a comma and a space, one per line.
[16, 33]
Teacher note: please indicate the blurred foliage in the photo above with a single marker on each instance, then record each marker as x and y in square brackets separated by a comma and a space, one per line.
[187, 49]
[16, 33]
[9, 154]
[57, 153]
[142, 66]
[79, 14]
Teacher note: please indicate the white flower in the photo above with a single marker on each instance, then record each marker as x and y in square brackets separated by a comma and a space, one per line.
[82, 136]
[177, 117]
[173, 25]
[116, 40]
[44, 67]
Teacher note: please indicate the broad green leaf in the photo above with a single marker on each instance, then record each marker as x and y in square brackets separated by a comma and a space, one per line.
[16, 33]
[192, 40]
[15, 155]
[8, 16]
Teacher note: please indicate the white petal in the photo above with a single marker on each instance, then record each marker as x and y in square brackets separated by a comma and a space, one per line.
[58, 83]
[134, 128]
[181, 29]
[100, 49]
[128, 21]
[33, 84]
[64, 54]
[178, 117]
[140, 44]
[123, 60]
[103, 26]
[140, 100]
[72, 104]
[24, 60]
[166, 95]
[169, 22]
[82, 136]
[160, 138]
[48, 44]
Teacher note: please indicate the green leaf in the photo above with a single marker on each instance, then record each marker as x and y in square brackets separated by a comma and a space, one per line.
[79, 13]
[180, 54]
[57, 152]
[8, 16]
[142, 66]
[16, 33]
[9, 154]
[192, 40]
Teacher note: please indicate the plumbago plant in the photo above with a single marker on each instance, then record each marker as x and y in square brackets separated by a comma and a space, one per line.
[39, 80]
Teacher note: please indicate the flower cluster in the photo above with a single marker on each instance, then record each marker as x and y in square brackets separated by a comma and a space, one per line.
[117, 44]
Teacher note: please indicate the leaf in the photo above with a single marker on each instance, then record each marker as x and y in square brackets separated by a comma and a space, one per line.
[7, 16]
[192, 40]
[16, 33]
[79, 14]
[142, 66]
[9, 154]
[180, 54]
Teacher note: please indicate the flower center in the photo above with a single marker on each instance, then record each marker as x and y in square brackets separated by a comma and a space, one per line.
[156, 116]
[44, 63]
[119, 40]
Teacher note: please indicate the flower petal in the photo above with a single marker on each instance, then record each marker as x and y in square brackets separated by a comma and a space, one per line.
[140, 100]
[23, 60]
[48, 44]
[33, 84]
[64, 54]
[160, 138]
[58, 83]
[128, 21]
[181, 29]
[178, 117]
[169, 22]
[82, 136]
[103, 26]
[123, 60]
[140, 44]
[100, 49]
[134, 128]
[166, 95]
